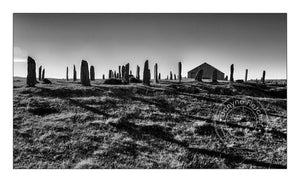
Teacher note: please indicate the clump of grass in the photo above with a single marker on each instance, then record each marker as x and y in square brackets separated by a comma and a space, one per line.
[113, 81]
[193, 160]
[41, 106]
[89, 163]
[203, 128]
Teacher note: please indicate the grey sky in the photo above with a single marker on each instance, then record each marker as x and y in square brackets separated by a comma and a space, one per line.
[253, 41]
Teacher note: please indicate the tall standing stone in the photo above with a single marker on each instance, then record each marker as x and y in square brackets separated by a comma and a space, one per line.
[231, 73]
[84, 73]
[171, 75]
[215, 76]
[74, 73]
[115, 74]
[159, 76]
[103, 77]
[110, 74]
[146, 74]
[130, 73]
[263, 77]
[174, 76]
[40, 73]
[43, 74]
[123, 72]
[155, 73]
[67, 74]
[126, 73]
[179, 71]
[31, 74]
[246, 75]
[199, 76]
[119, 75]
[92, 73]
[138, 72]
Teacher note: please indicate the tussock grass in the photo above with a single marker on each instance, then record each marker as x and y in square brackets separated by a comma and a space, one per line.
[65, 125]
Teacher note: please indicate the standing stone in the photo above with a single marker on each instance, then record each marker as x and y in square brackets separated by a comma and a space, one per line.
[231, 73]
[74, 73]
[115, 74]
[92, 73]
[226, 78]
[215, 76]
[159, 76]
[110, 74]
[146, 74]
[246, 75]
[199, 76]
[84, 73]
[40, 73]
[119, 75]
[138, 72]
[155, 73]
[103, 77]
[179, 71]
[43, 74]
[130, 73]
[263, 77]
[123, 72]
[174, 76]
[171, 75]
[126, 73]
[67, 74]
[31, 74]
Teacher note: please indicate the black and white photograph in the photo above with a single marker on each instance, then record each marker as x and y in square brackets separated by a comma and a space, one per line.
[150, 91]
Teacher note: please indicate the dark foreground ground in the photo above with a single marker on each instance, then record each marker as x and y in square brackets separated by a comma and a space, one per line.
[168, 125]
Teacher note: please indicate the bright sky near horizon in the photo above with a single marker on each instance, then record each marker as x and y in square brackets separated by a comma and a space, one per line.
[255, 42]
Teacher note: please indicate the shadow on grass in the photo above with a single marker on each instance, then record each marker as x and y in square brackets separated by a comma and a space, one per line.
[274, 132]
[66, 92]
[161, 133]
[165, 107]
[66, 96]
[161, 104]
[94, 110]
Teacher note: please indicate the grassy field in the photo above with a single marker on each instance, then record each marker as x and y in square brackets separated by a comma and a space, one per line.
[167, 125]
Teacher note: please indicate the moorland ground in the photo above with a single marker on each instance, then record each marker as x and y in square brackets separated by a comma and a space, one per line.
[166, 125]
